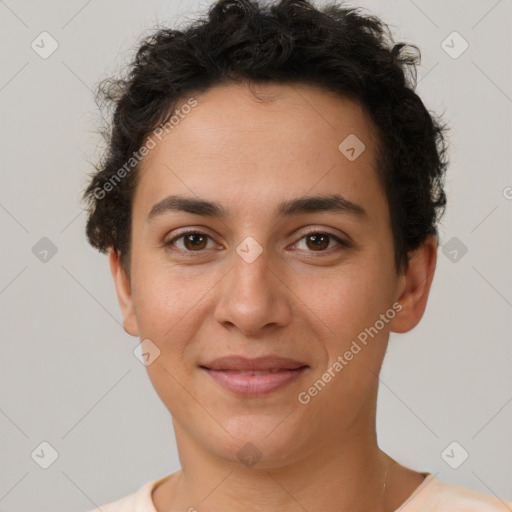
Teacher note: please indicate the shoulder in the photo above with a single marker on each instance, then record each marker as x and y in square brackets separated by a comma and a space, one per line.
[138, 501]
[434, 495]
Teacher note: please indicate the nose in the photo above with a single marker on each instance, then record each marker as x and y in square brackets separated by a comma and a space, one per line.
[254, 297]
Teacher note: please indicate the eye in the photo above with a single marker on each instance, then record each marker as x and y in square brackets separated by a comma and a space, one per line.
[317, 241]
[196, 241]
[193, 241]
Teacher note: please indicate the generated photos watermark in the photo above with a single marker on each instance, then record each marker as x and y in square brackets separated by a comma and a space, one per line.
[165, 128]
[305, 397]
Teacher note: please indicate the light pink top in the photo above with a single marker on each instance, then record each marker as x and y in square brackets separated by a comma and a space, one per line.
[432, 495]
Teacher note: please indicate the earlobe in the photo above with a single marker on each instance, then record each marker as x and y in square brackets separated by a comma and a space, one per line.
[415, 286]
[124, 293]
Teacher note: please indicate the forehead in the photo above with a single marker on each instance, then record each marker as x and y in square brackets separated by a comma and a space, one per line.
[271, 139]
[237, 113]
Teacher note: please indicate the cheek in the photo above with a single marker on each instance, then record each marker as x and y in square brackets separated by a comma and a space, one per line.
[170, 305]
[163, 307]
[160, 300]
[349, 303]
[345, 299]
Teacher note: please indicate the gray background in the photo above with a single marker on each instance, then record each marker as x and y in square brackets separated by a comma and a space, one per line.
[68, 375]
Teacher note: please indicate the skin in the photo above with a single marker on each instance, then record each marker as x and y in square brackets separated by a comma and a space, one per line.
[295, 300]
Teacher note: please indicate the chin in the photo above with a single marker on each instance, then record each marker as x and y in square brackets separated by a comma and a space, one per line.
[258, 442]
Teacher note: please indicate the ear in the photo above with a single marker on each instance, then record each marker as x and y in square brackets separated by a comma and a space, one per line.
[124, 293]
[414, 286]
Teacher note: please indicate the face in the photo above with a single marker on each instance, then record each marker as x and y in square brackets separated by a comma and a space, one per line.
[299, 266]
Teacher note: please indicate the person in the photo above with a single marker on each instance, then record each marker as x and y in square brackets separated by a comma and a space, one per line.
[269, 201]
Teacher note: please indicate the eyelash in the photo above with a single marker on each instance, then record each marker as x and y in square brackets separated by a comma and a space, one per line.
[342, 243]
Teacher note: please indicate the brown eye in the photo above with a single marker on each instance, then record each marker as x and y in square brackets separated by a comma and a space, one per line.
[193, 241]
[317, 241]
[320, 242]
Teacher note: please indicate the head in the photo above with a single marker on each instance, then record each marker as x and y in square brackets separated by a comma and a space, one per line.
[310, 177]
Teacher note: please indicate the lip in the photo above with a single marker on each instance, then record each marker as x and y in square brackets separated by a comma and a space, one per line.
[237, 374]
[244, 364]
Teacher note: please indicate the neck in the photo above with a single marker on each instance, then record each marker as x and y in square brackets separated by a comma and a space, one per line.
[346, 471]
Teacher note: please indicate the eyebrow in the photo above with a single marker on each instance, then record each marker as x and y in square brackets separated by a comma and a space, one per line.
[307, 204]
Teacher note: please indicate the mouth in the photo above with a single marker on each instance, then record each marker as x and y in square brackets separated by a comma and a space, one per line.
[254, 377]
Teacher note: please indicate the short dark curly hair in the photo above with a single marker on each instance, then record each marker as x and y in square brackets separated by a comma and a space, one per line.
[337, 47]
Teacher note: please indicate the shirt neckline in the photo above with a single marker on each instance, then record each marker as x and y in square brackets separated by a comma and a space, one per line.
[146, 504]
[429, 477]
